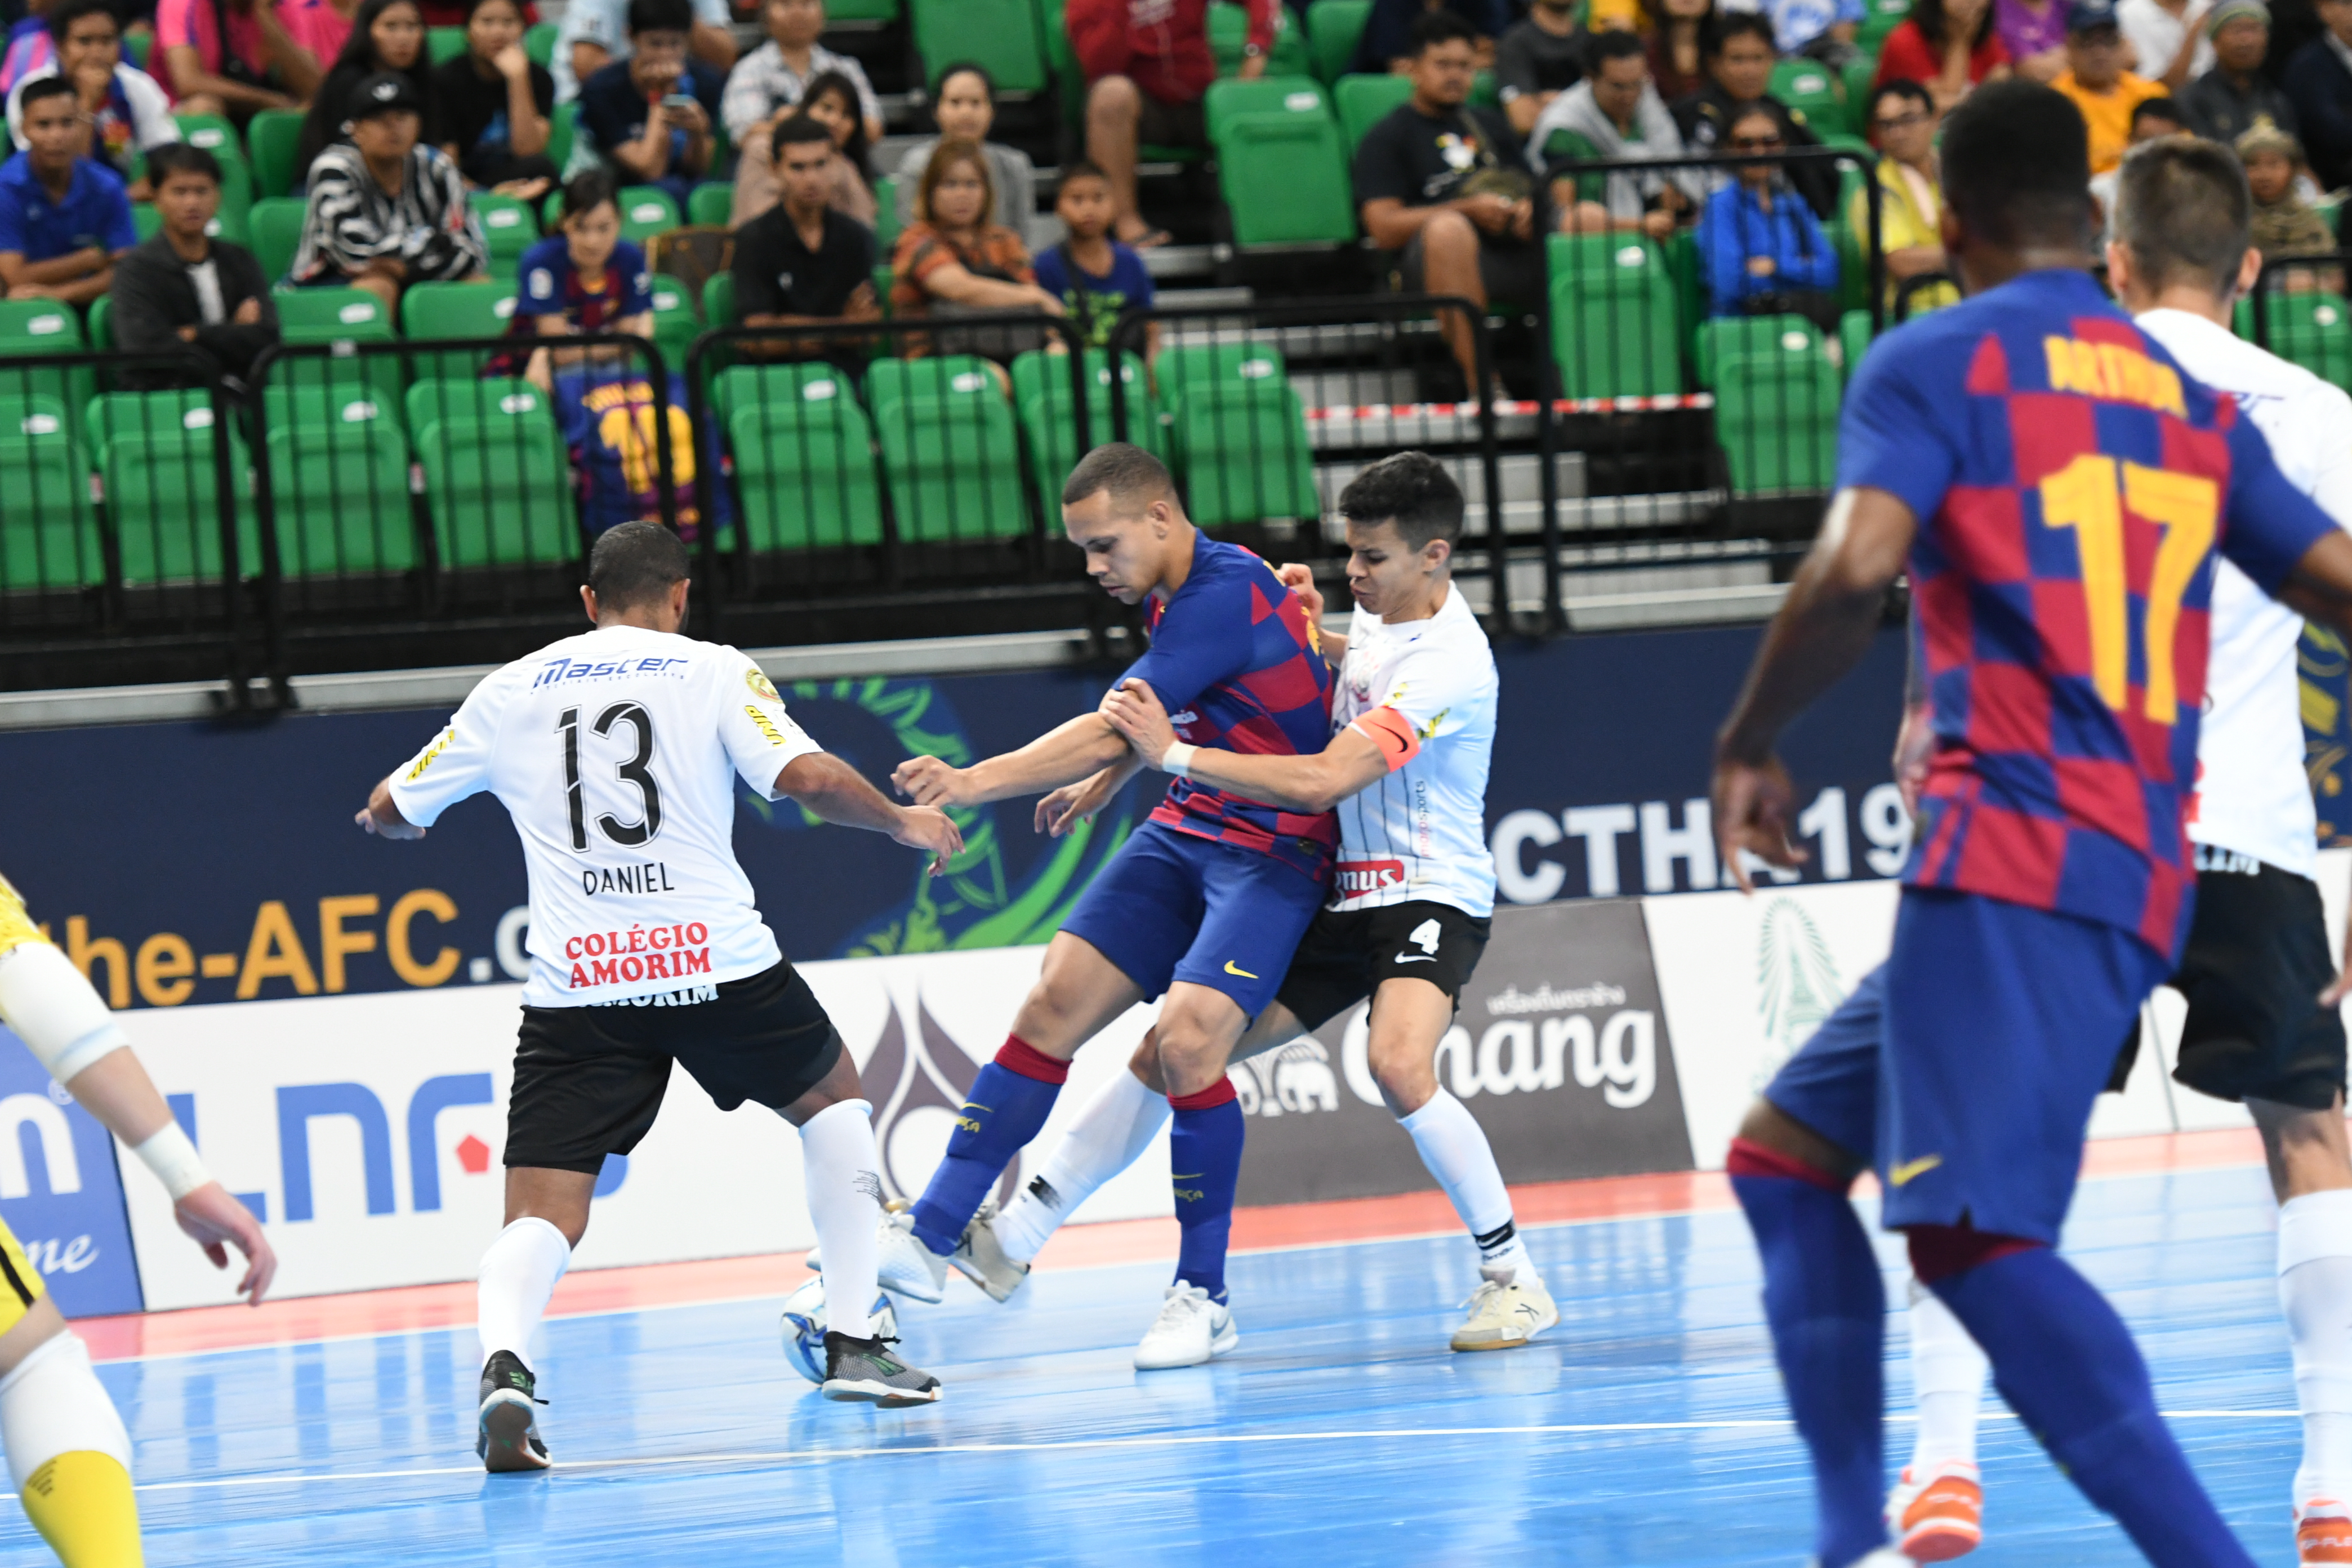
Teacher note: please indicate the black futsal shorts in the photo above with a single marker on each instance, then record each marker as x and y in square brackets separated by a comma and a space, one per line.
[1346, 955]
[589, 1080]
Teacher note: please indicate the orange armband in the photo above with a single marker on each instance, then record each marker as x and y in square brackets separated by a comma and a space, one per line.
[1393, 733]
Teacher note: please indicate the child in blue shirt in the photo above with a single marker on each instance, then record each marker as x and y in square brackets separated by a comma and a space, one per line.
[582, 278]
[1094, 276]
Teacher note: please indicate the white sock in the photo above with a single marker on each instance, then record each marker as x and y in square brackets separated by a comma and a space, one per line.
[845, 1199]
[1454, 1148]
[53, 1404]
[2315, 1265]
[1947, 1379]
[519, 1274]
[1110, 1135]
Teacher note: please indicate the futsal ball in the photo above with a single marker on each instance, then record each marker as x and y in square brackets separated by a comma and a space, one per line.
[805, 1328]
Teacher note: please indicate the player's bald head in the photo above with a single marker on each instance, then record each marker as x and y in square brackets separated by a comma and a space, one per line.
[2184, 214]
[2017, 167]
[1132, 477]
[636, 563]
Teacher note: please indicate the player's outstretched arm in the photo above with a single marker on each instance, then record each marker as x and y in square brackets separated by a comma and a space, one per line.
[1314, 784]
[1064, 754]
[835, 793]
[1824, 627]
[70, 1031]
[383, 818]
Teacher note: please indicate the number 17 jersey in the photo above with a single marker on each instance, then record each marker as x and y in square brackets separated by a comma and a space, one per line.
[617, 753]
[2071, 487]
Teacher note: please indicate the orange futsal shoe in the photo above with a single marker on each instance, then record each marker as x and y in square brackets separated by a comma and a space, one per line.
[1940, 1516]
[2322, 1533]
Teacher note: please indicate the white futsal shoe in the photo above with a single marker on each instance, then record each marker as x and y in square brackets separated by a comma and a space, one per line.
[981, 1259]
[1190, 1331]
[905, 1267]
[1504, 1312]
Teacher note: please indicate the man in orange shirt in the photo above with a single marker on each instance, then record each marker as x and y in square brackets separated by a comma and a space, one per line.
[2096, 82]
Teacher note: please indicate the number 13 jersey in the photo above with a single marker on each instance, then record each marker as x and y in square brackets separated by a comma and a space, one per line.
[616, 753]
[2072, 486]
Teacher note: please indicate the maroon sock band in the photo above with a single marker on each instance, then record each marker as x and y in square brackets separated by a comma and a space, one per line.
[1940, 1251]
[1208, 1099]
[1017, 1055]
[1748, 1159]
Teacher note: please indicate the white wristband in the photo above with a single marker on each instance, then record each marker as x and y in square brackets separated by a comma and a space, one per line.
[1178, 758]
[174, 1161]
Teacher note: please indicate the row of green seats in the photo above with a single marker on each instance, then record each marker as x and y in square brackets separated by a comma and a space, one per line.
[2312, 329]
[1281, 162]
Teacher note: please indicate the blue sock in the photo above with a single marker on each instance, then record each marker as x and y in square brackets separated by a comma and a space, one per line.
[2066, 1364]
[1828, 1314]
[1204, 1158]
[1007, 1105]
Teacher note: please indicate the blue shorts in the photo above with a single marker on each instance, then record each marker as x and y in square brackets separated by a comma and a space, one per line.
[2001, 1023]
[1830, 1085]
[1174, 906]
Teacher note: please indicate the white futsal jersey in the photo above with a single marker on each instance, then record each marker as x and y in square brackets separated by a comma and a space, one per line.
[2253, 795]
[617, 753]
[1426, 691]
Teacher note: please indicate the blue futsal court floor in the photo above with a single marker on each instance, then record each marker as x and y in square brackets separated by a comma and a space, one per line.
[1646, 1428]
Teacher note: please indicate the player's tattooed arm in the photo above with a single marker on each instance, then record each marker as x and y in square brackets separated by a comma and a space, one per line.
[1064, 754]
[1300, 580]
[383, 818]
[1314, 784]
[835, 793]
[1824, 626]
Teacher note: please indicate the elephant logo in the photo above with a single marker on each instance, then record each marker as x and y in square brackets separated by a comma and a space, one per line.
[1294, 1080]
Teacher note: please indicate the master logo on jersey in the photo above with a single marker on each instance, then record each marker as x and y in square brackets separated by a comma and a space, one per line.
[757, 679]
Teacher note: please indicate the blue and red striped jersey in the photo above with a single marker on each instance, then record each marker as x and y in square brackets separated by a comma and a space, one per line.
[2073, 486]
[1235, 661]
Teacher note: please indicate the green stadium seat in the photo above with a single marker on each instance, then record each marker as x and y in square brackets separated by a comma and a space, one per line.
[1860, 73]
[1229, 35]
[1285, 180]
[276, 137]
[1000, 35]
[145, 221]
[1811, 89]
[508, 227]
[719, 299]
[1041, 391]
[710, 204]
[338, 491]
[804, 458]
[886, 215]
[1334, 27]
[234, 219]
[1614, 328]
[1853, 341]
[1775, 415]
[276, 225]
[332, 315]
[35, 329]
[539, 43]
[949, 448]
[2314, 331]
[155, 456]
[212, 133]
[495, 477]
[329, 403]
[861, 11]
[101, 324]
[1721, 337]
[562, 127]
[445, 44]
[49, 533]
[892, 381]
[1879, 18]
[645, 211]
[430, 310]
[1267, 95]
[1364, 100]
[1244, 454]
[136, 46]
[675, 325]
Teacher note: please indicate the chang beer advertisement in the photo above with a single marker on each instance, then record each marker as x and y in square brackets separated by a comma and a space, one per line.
[1559, 1050]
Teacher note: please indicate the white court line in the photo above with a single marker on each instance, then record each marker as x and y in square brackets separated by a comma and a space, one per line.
[1098, 1445]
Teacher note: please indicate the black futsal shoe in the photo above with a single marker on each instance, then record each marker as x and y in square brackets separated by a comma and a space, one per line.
[510, 1426]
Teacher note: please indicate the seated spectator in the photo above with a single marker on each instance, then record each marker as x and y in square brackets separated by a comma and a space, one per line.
[2094, 78]
[2284, 224]
[1761, 250]
[234, 62]
[1147, 70]
[2150, 118]
[1539, 57]
[650, 115]
[800, 263]
[1386, 44]
[387, 35]
[1678, 43]
[953, 260]
[1739, 79]
[321, 26]
[1444, 190]
[497, 104]
[831, 101]
[965, 111]
[2319, 83]
[385, 209]
[594, 33]
[2236, 96]
[772, 80]
[1614, 112]
[183, 287]
[2034, 34]
[1097, 278]
[64, 219]
[1822, 30]
[582, 278]
[2166, 41]
[1903, 125]
[27, 44]
[1947, 46]
[123, 108]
